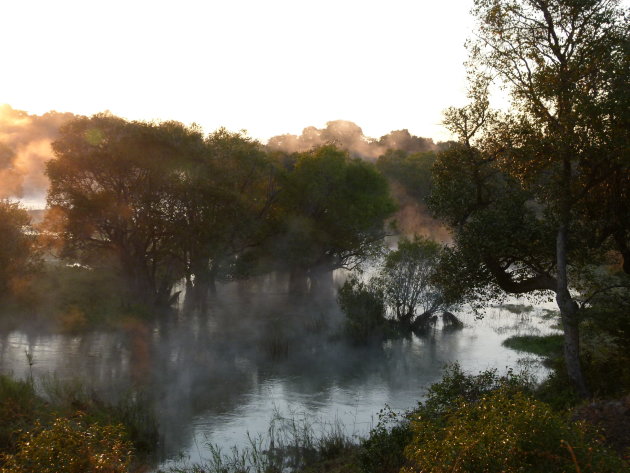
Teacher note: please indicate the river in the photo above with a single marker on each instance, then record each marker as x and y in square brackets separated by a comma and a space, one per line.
[217, 378]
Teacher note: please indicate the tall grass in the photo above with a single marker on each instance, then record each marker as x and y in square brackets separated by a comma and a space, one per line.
[294, 442]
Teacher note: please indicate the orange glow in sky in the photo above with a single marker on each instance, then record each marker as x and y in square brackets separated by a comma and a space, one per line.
[270, 67]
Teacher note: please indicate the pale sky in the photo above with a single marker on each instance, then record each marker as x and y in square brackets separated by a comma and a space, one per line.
[270, 67]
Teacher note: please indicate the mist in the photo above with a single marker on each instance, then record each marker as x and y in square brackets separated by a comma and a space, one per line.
[25, 141]
[349, 136]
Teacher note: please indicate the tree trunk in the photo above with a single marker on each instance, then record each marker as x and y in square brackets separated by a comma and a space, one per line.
[322, 284]
[139, 288]
[569, 314]
[298, 281]
[202, 286]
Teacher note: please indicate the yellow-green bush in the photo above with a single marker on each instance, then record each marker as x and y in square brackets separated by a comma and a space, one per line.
[504, 431]
[71, 446]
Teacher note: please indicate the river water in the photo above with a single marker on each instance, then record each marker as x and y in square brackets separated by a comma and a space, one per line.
[217, 378]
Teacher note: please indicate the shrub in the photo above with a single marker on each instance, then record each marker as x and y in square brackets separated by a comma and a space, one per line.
[504, 431]
[133, 410]
[383, 450]
[70, 446]
[456, 387]
[364, 307]
[18, 409]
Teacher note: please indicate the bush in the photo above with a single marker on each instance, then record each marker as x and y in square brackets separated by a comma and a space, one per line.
[133, 410]
[383, 450]
[19, 406]
[70, 446]
[456, 387]
[504, 431]
[364, 308]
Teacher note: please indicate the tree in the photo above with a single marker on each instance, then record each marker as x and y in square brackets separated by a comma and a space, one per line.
[515, 188]
[412, 171]
[406, 280]
[18, 257]
[333, 213]
[364, 307]
[225, 208]
[112, 180]
[403, 292]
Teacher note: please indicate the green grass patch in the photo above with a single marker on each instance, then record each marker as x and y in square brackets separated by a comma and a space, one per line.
[518, 308]
[543, 345]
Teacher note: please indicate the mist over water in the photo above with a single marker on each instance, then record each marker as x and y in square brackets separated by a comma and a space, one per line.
[217, 377]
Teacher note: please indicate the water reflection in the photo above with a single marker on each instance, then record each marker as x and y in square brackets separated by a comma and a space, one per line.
[214, 379]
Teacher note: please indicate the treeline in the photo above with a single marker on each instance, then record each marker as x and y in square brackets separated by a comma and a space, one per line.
[166, 203]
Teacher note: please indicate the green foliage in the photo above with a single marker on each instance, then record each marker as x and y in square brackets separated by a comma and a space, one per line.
[406, 279]
[364, 308]
[334, 208]
[402, 291]
[19, 408]
[18, 256]
[456, 387]
[523, 189]
[543, 345]
[132, 410]
[24, 415]
[71, 446]
[411, 170]
[79, 297]
[225, 198]
[383, 450]
[110, 181]
[494, 224]
[504, 431]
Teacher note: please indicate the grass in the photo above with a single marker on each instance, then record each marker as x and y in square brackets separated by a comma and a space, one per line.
[296, 442]
[543, 345]
[518, 308]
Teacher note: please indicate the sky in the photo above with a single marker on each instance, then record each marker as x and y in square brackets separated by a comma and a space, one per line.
[269, 67]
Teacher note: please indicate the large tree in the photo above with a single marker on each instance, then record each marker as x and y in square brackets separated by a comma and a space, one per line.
[225, 209]
[518, 188]
[334, 209]
[112, 180]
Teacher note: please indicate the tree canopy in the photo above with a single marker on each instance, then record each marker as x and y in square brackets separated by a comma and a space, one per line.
[520, 188]
[18, 257]
[334, 210]
[168, 204]
[113, 180]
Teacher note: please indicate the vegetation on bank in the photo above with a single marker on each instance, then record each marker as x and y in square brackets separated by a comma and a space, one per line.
[68, 428]
[543, 345]
[468, 423]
